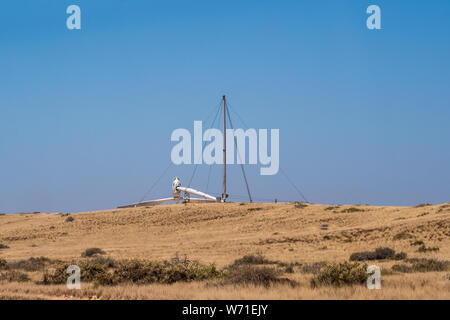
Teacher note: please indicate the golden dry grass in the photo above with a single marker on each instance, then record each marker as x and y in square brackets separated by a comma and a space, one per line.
[221, 233]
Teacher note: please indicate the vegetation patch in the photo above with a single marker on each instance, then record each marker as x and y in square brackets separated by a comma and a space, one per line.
[403, 236]
[14, 276]
[254, 209]
[70, 219]
[313, 267]
[300, 205]
[417, 243]
[331, 208]
[92, 252]
[422, 265]
[253, 259]
[424, 248]
[3, 246]
[378, 254]
[3, 264]
[32, 264]
[256, 275]
[423, 205]
[352, 209]
[103, 272]
[341, 274]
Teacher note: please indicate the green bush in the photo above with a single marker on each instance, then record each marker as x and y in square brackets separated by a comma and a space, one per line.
[340, 274]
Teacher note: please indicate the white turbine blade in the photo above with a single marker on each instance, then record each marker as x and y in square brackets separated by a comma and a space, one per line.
[197, 200]
[147, 203]
[197, 193]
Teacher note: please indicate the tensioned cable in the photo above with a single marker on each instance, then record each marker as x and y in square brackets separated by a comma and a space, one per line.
[156, 182]
[240, 160]
[281, 169]
[204, 143]
[170, 165]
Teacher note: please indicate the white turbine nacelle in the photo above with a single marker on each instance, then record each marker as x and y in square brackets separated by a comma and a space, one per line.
[177, 189]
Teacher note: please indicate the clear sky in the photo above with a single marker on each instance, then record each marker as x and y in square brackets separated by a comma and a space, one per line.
[86, 115]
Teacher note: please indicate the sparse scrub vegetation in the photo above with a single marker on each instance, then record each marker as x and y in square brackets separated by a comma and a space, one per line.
[340, 274]
[300, 205]
[92, 252]
[3, 264]
[31, 264]
[422, 265]
[403, 236]
[352, 209]
[424, 248]
[313, 267]
[3, 246]
[70, 219]
[378, 254]
[14, 276]
[417, 243]
[423, 205]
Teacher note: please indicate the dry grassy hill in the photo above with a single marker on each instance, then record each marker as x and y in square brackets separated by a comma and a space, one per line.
[221, 233]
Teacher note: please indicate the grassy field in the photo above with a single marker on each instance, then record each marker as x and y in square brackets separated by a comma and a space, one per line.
[286, 234]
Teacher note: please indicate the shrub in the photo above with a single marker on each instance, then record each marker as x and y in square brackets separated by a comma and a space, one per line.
[300, 205]
[352, 209]
[70, 219]
[417, 243]
[258, 276]
[313, 268]
[108, 262]
[90, 272]
[149, 272]
[429, 265]
[400, 256]
[32, 264]
[331, 208]
[340, 274]
[402, 236]
[423, 205]
[254, 209]
[3, 246]
[378, 254]
[14, 276]
[363, 256]
[422, 265]
[384, 253]
[402, 268]
[423, 248]
[253, 259]
[92, 252]
[3, 264]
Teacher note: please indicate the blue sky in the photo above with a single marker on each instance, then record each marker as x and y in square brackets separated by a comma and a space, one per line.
[86, 115]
